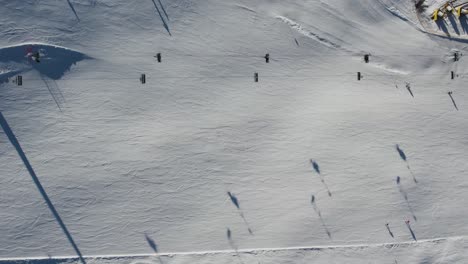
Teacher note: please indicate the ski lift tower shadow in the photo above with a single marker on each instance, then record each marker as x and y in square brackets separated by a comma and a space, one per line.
[13, 140]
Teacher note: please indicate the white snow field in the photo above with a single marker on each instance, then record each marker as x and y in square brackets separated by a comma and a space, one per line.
[204, 165]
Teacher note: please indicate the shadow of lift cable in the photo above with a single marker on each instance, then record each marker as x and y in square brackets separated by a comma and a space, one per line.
[15, 143]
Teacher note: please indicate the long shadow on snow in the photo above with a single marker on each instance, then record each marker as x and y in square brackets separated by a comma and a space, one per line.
[319, 213]
[73, 9]
[15, 143]
[442, 26]
[454, 24]
[55, 61]
[163, 9]
[235, 201]
[464, 23]
[404, 158]
[166, 26]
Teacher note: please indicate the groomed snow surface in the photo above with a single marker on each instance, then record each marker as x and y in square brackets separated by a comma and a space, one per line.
[203, 165]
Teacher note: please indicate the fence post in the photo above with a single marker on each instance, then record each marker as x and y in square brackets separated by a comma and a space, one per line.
[143, 78]
[359, 76]
[256, 77]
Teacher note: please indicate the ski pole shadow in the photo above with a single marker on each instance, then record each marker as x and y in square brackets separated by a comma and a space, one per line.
[453, 100]
[411, 230]
[235, 201]
[73, 9]
[166, 26]
[13, 140]
[322, 179]
[233, 245]
[405, 196]
[404, 158]
[153, 246]
[317, 210]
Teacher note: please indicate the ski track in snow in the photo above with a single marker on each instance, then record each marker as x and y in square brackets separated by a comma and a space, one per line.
[404, 244]
[309, 34]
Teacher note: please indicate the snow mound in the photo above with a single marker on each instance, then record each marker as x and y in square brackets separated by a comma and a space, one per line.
[54, 62]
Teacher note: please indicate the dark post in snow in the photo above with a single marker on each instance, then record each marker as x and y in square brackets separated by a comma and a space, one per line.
[366, 58]
[19, 80]
[256, 77]
[359, 76]
[452, 74]
[158, 57]
[267, 58]
[455, 56]
[143, 78]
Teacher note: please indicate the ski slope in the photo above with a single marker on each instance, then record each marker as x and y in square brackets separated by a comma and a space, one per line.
[203, 165]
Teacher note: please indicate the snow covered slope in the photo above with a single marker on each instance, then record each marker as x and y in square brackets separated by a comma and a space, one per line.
[300, 167]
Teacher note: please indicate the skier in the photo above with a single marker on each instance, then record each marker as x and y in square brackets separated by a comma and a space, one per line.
[36, 56]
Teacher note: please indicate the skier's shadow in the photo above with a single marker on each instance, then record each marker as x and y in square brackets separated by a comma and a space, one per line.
[319, 213]
[322, 179]
[405, 196]
[235, 201]
[233, 245]
[153, 246]
[405, 159]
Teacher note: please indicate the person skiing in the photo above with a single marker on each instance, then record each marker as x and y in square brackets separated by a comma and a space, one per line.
[36, 56]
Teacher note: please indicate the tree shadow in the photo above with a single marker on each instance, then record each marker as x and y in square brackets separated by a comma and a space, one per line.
[322, 179]
[73, 9]
[13, 140]
[153, 246]
[403, 157]
[166, 26]
[317, 210]
[405, 196]
[235, 201]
